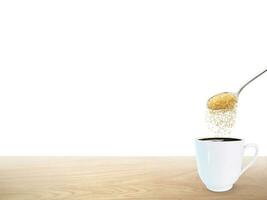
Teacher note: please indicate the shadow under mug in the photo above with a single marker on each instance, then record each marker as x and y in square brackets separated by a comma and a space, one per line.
[219, 161]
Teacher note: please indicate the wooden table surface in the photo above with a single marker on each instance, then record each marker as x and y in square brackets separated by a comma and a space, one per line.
[104, 178]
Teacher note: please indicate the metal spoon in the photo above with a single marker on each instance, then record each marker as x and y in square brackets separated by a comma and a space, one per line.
[240, 90]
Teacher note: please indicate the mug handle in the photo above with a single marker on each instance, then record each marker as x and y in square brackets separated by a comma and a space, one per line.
[253, 159]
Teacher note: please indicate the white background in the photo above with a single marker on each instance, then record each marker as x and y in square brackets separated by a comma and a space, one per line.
[127, 77]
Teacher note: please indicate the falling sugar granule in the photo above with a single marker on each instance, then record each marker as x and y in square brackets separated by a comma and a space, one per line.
[221, 122]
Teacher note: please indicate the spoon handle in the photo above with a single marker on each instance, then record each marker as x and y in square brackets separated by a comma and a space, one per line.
[250, 81]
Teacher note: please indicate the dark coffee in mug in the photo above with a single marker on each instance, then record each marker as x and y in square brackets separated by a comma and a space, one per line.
[220, 139]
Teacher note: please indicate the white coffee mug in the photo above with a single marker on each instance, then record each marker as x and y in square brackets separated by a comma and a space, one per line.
[219, 161]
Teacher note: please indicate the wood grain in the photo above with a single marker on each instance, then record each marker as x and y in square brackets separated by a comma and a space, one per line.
[106, 178]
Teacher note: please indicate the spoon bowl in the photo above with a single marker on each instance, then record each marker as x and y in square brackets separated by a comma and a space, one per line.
[223, 101]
